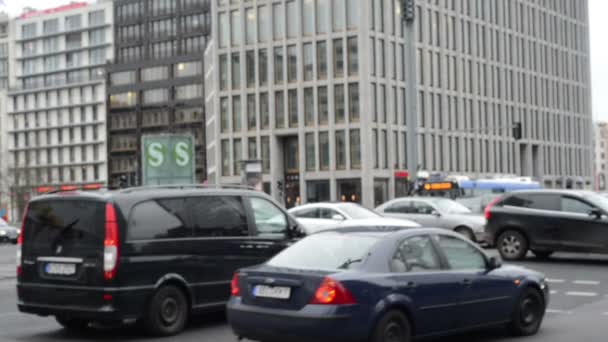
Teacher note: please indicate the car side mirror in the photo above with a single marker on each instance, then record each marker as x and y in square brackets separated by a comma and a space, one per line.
[436, 213]
[596, 213]
[337, 217]
[494, 263]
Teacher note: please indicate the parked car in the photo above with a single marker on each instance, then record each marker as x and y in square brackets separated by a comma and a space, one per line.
[439, 213]
[316, 217]
[380, 287]
[8, 233]
[152, 255]
[546, 221]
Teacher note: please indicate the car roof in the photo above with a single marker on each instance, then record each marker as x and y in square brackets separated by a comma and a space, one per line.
[388, 233]
[335, 205]
[550, 191]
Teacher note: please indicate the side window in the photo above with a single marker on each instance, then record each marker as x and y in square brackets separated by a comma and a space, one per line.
[517, 201]
[399, 208]
[415, 254]
[218, 216]
[159, 219]
[422, 208]
[545, 202]
[574, 205]
[461, 255]
[329, 214]
[269, 219]
[307, 213]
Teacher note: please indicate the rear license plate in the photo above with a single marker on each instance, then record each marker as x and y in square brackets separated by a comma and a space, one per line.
[278, 292]
[60, 269]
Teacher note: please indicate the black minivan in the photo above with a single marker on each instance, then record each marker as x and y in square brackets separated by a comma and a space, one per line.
[147, 255]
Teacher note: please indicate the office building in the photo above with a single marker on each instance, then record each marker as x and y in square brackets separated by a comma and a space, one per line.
[155, 83]
[316, 89]
[56, 102]
[4, 77]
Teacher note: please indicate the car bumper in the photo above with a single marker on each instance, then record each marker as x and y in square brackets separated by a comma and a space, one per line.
[481, 237]
[87, 303]
[311, 323]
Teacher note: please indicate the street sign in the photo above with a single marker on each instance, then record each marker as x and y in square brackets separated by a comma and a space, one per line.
[168, 159]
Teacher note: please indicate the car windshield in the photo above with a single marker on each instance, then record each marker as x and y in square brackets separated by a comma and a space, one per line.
[450, 207]
[332, 251]
[600, 200]
[357, 212]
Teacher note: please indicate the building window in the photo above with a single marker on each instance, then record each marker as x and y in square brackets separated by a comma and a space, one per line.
[250, 25]
[50, 26]
[292, 19]
[263, 67]
[339, 12]
[375, 150]
[236, 114]
[352, 13]
[340, 150]
[292, 64]
[97, 56]
[97, 37]
[225, 152]
[97, 18]
[187, 92]
[309, 113]
[236, 26]
[251, 114]
[278, 16]
[308, 23]
[124, 77]
[353, 101]
[224, 121]
[293, 107]
[324, 151]
[123, 100]
[380, 191]
[310, 152]
[252, 148]
[264, 115]
[278, 65]
[224, 28]
[279, 111]
[237, 156]
[353, 56]
[152, 96]
[28, 30]
[323, 106]
[355, 149]
[321, 60]
[339, 103]
[338, 58]
[308, 62]
[349, 190]
[223, 72]
[236, 71]
[73, 41]
[264, 23]
[188, 69]
[322, 15]
[154, 74]
[73, 22]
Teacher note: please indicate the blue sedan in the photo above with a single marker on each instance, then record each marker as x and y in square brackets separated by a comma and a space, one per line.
[383, 287]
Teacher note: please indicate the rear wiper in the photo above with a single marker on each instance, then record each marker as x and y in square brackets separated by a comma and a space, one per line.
[63, 230]
[348, 263]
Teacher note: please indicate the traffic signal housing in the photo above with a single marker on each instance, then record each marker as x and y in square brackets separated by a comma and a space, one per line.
[408, 9]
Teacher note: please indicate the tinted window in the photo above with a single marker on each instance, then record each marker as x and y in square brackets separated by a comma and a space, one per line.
[307, 213]
[269, 219]
[534, 201]
[329, 214]
[461, 255]
[517, 201]
[356, 211]
[71, 224]
[331, 251]
[399, 208]
[217, 216]
[415, 254]
[422, 208]
[159, 219]
[573, 205]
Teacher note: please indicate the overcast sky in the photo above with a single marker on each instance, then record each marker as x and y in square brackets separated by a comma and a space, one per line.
[599, 46]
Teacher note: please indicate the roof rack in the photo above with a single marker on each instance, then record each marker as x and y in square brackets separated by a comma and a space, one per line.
[187, 186]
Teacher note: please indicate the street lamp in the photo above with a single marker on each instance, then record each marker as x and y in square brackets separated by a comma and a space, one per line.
[408, 13]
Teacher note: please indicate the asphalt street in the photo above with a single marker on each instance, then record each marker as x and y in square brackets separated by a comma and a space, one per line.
[578, 310]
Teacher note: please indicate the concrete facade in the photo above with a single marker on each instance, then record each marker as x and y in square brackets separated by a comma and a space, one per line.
[316, 90]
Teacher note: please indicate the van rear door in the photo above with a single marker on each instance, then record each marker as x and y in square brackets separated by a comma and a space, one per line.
[63, 242]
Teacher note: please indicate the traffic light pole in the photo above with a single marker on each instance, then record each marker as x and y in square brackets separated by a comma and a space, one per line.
[408, 9]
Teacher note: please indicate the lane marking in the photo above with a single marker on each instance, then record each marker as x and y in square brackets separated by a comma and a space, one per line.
[581, 294]
[553, 292]
[556, 311]
[556, 281]
[586, 282]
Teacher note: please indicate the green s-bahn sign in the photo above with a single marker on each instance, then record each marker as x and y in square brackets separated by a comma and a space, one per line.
[168, 159]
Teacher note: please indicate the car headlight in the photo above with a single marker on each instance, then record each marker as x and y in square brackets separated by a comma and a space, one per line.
[2, 232]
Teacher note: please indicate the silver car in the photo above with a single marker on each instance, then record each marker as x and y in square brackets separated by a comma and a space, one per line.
[439, 213]
[8, 233]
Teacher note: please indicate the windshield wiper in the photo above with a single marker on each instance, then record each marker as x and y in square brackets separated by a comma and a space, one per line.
[62, 232]
[348, 263]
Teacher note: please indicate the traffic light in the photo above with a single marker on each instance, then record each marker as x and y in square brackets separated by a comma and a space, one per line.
[517, 132]
[408, 9]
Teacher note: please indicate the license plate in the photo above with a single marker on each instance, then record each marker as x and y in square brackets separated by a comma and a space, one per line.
[60, 269]
[278, 292]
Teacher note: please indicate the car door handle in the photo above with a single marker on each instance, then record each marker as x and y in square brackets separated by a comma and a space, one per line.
[410, 285]
[467, 282]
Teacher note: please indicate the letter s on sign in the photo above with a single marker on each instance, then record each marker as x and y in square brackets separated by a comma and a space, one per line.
[156, 154]
[182, 154]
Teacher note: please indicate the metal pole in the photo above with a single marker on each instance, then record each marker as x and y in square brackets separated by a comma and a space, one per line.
[409, 63]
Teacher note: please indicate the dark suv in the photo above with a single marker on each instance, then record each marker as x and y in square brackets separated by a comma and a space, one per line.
[545, 221]
[151, 255]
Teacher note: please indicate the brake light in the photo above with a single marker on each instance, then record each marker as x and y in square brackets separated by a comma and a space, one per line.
[490, 205]
[110, 243]
[20, 241]
[235, 290]
[331, 292]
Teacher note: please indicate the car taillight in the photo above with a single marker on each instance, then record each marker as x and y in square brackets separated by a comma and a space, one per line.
[110, 243]
[331, 292]
[20, 241]
[490, 205]
[235, 290]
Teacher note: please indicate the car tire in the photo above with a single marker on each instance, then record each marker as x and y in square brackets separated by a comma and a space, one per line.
[72, 324]
[466, 232]
[4, 239]
[512, 245]
[542, 254]
[393, 326]
[167, 312]
[529, 313]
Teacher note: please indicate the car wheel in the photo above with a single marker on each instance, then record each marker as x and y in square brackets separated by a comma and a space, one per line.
[393, 327]
[512, 245]
[528, 314]
[72, 324]
[4, 239]
[466, 232]
[167, 312]
[542, 254]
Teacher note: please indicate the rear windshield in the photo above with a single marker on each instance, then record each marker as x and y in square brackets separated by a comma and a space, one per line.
[325, 251]
[59, 227]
